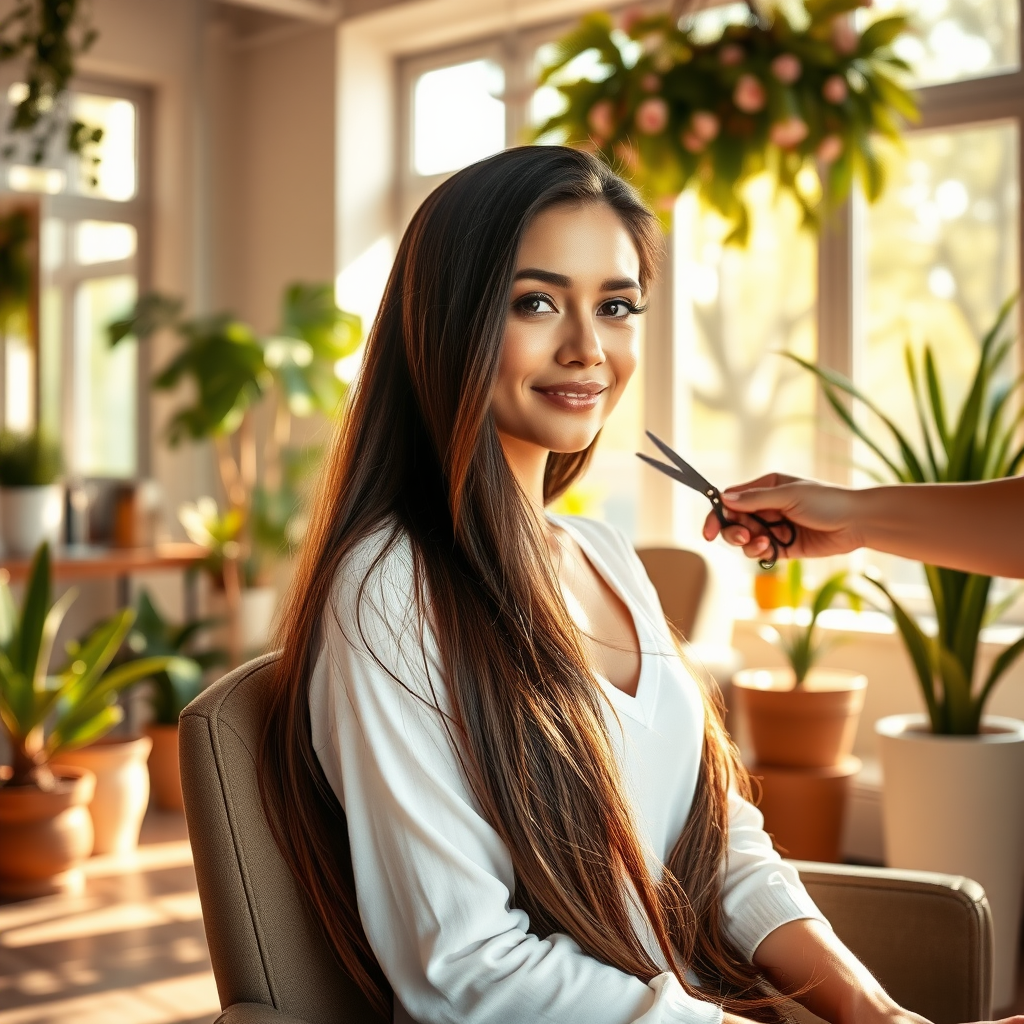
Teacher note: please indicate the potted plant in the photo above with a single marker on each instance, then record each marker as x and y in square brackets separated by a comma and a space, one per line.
[31, 494]
[952, 797]
[800, 723]
[172, 688]
[232, 370]
[46, 827]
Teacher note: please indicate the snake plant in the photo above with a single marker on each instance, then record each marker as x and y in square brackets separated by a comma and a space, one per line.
[980, 443]
[45, 713]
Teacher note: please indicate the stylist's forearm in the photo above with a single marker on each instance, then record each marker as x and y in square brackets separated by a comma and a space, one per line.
[974, 527]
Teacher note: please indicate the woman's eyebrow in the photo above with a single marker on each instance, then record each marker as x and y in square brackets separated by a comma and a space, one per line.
[561, 281]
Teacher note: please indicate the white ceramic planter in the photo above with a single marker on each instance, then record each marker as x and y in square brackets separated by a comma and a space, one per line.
[955, 804]
[30, 515]
[257, 610]
[122, 789]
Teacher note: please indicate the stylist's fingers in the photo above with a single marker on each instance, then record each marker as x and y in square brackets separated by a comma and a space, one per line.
[759, 499]
[737, 535]
[767, 480]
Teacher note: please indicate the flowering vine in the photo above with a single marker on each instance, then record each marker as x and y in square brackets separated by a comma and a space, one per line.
[805, 104]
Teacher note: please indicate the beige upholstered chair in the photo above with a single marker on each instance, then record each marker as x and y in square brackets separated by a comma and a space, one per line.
[927, 937]
[680, 578]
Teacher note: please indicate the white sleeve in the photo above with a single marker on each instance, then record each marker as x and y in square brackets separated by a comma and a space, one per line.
[433, 879]
[761, 891]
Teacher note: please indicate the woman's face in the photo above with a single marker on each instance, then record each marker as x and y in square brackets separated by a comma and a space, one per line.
[570, 342]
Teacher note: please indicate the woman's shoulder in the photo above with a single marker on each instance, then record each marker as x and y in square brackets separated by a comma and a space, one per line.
[610, 543]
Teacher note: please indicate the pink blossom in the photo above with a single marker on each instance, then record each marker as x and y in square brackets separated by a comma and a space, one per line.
[787, 68]
[692, 142]
[844, 35]
[652, 115]
[789, 133]
[650, 83]
[730, 55]
[602, 118]
[834, 90]
[630, 17]
[705, 125]
[830, 149]
[749, 94]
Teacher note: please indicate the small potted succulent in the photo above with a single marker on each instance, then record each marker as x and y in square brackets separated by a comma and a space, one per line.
[801, 722]
[44, 816]
[31, 493]
[172, 689]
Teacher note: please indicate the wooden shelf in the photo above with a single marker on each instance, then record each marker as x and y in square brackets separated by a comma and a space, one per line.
[94, 563]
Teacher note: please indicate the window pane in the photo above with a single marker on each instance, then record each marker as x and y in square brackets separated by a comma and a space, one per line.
[98, 241]
[115, 174]
[48, 180]
[941, 252]
[105, 381]
[456, 116]
[750, 410]
[956, 39]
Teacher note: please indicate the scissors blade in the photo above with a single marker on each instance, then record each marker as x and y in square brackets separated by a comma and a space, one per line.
[668, 471]
[687, 474]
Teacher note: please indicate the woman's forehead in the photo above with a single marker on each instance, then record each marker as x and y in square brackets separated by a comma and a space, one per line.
[587, 242]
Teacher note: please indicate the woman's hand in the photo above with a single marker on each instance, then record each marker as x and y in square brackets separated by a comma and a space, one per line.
[825, 516]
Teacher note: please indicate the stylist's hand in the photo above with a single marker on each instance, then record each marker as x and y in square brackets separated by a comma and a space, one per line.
[825, 517]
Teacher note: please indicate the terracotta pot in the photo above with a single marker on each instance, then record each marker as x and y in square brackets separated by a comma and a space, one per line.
[812, 726]
[954, 804]
[164, 778]
[804, 808]
[44, 837]
[122, 789]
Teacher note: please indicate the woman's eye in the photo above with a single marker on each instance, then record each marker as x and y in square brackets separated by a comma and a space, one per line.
[534, 304]
[618, 309]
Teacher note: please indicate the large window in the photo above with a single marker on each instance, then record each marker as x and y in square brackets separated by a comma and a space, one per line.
[94, 221]
[931, 262]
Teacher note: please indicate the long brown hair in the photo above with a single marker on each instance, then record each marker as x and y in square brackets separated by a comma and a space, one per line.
[417, 449]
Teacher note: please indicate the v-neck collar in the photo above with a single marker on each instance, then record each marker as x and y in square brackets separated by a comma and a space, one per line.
[639, 707]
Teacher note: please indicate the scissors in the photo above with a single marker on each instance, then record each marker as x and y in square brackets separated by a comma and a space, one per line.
[686, 474]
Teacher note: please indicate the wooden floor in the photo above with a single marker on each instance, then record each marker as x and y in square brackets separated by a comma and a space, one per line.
[130, 950]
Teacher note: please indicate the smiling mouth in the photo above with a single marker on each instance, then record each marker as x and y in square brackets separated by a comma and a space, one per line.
[574, 396]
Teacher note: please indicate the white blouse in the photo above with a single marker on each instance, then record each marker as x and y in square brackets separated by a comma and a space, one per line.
[434, 881]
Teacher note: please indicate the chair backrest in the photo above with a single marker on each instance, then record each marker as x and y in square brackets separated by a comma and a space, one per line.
[264, 946]
[680, 578]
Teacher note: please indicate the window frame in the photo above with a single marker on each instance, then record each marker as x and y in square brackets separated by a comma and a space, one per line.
[71, 209]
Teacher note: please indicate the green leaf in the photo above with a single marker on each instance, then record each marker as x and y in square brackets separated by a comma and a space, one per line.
[935, 394]
[956, 686]
[592, 33]
[24, 650]
[922, 420]
[152, 313]
[1002, 662]
[881, 33]
[918, 646]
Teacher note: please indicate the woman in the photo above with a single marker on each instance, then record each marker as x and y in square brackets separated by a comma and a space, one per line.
[974, 527]
[547, 821]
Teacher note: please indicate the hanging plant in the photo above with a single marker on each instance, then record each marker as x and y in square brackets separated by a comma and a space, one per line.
[807, 105]
[51, 34]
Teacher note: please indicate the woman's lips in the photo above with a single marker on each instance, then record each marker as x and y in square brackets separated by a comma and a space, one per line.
[573, 396]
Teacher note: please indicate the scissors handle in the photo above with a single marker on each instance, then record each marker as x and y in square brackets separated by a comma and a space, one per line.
[777, 543]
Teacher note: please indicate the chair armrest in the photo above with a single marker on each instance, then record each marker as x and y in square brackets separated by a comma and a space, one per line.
[926, 937]
[255, 1013]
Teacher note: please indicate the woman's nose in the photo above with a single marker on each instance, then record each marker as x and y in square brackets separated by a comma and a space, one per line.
[581, 344]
